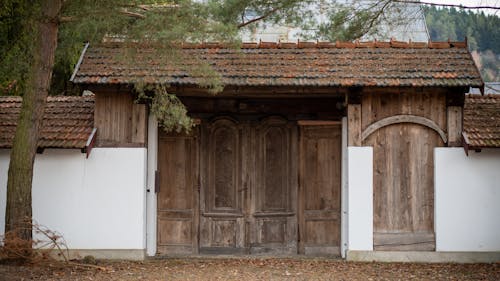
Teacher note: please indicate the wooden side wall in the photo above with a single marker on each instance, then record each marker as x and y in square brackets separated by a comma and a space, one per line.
[120, 122]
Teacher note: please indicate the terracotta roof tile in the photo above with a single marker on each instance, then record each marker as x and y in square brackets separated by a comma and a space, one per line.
[338, 64]
[482, 121]
[67, 123]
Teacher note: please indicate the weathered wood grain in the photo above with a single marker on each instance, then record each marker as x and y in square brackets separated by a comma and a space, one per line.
[403, 164]
[319, 196]
[454, 122]
[403, 119]
[404, 241]
[249, 186]
[119, 121]
[177, 201]
[354, 124]
[139, 124]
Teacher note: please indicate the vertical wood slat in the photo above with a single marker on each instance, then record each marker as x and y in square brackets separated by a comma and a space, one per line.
[119, 121]
[354, 124]
[454, 122]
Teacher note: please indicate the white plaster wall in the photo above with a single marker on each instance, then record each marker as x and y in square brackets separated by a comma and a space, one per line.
[360, 198]
[467, 200]
[95, 203]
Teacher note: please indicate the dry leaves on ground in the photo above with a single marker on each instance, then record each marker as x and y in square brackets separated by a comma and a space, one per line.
[252, 269]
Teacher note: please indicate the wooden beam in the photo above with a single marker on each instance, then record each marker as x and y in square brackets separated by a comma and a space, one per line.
[403, 119]
[317, 122]
[454, 124]
[424, 241]
[354, 124]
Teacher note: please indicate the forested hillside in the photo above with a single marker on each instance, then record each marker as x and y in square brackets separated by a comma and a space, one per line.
[482, 31]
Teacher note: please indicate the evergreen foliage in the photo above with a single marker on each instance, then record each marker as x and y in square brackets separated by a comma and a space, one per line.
[482, 32]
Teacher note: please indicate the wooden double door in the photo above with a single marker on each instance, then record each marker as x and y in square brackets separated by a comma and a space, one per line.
[266, 186]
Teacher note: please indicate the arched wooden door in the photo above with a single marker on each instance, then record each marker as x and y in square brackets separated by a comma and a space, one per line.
[248, 187]
[403, 187]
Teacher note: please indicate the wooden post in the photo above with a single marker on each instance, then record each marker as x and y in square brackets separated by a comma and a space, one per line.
[139, 123]
[354, 124]
[454, 123]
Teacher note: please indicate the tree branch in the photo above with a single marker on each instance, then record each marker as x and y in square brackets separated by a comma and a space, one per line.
[447, 5]
[132, 14]
[269, 13]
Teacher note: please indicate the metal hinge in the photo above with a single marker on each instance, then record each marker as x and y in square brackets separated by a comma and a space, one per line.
[157, 181]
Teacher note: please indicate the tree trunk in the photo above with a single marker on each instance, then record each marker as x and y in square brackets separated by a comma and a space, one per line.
[19, 206]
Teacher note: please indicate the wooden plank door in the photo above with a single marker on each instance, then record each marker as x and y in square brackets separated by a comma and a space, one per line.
[403, 191]
[177, 199]
[273, 221]
[222, 214]
[319, 191]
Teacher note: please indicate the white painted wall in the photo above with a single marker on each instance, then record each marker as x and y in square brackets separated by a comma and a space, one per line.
[360, 198]
[467, 200]
[95, 203]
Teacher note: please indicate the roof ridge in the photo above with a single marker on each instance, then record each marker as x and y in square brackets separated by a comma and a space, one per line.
[319, 45]
[331, 45]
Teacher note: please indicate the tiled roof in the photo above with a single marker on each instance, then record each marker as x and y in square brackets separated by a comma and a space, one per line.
[341, 64]
[482, 121]
[67, 123]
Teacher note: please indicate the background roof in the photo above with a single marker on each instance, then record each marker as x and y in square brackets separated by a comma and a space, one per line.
[482, 121]
[67, 122]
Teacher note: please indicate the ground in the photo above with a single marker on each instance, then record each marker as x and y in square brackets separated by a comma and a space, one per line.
[252, 269]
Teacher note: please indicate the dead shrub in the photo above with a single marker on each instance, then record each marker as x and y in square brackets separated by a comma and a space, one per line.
[46, 246]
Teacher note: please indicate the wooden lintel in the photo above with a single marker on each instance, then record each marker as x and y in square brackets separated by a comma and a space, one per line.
[119, 144]
[403, 119]
[317, 123]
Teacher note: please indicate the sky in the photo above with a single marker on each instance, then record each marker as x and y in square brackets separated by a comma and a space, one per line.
[495, 3]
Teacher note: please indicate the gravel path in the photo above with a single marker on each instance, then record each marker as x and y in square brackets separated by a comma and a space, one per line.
[253, 269]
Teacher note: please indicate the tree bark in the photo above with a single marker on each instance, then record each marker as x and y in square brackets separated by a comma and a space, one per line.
[18, 215]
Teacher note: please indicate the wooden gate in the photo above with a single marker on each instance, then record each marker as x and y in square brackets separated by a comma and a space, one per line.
[404, 129]
[319, 191]
[177, 200]
[248, 187]
[403, 187]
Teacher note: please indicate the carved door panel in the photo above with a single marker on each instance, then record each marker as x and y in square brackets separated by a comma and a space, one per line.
[177, 199]
[319, 192]
[273, 224]
[221, 206]
[248, 189]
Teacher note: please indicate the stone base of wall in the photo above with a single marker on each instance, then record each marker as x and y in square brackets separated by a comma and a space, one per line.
[108, 254]
[424, 257]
